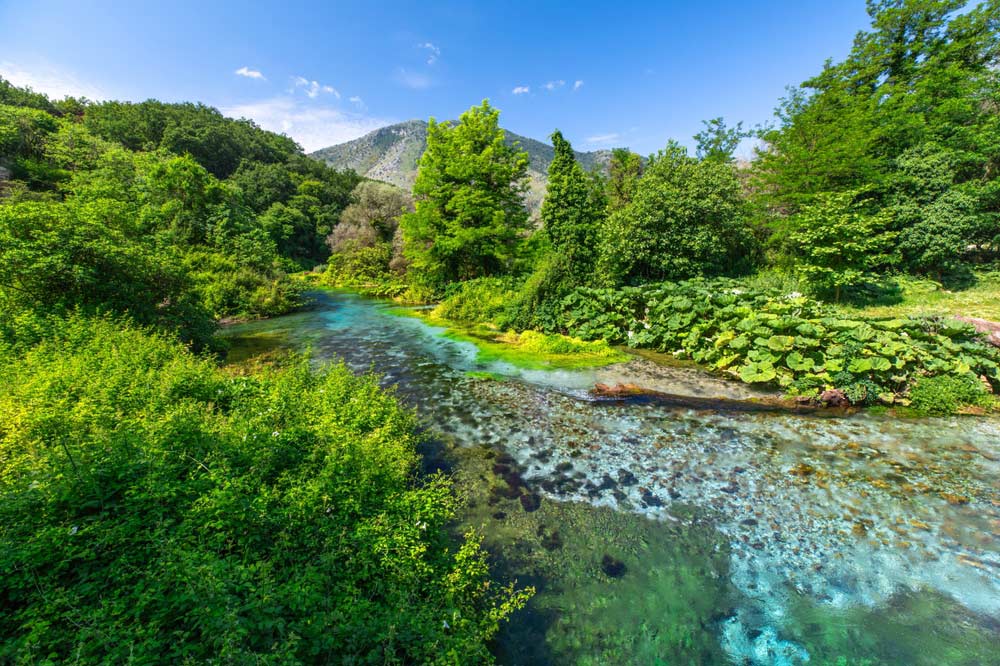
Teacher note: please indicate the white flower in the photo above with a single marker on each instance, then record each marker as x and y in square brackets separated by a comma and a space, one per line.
[274, 434]
[793, 294]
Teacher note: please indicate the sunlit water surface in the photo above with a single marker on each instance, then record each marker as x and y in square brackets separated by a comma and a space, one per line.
[827, 522]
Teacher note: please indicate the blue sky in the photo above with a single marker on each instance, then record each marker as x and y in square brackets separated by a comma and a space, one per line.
[606, 73]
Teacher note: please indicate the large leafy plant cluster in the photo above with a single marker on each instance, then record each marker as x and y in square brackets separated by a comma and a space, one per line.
[154, 509]
[764, 336]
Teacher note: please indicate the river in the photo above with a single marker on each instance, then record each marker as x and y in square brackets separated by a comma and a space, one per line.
[665, 535]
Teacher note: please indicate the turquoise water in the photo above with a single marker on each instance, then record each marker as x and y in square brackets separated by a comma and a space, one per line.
[863, 539]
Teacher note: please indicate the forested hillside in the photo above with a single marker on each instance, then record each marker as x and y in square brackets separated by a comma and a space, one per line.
[392, 154]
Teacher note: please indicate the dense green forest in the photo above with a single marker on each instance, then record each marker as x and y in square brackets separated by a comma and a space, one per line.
[157, 506]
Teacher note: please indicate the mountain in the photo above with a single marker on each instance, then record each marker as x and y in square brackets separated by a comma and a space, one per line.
[391, 154]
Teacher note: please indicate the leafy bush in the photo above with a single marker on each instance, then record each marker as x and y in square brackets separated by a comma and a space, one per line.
[155, 509]
[767, 337]
[484, 300]
[687, 218]
[947, 393]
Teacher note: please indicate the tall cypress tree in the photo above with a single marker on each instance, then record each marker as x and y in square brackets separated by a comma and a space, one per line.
[573, 210]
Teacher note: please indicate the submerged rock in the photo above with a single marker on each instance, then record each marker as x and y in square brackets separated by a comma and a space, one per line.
[530, 502]
[612, 567]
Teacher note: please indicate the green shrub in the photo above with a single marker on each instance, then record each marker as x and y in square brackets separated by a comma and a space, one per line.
[155, 509]
[764, 336]
[947, 394]
[484, 300]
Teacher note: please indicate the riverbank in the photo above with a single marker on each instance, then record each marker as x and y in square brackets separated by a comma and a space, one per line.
[781, 341]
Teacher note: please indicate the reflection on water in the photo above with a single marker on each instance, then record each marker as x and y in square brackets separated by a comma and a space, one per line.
[846, 540]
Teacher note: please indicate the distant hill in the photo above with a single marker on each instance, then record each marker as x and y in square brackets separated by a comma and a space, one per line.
[391, 154]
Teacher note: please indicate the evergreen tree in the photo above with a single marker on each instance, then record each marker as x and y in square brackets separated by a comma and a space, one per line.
[922, 86]
[718, 141]
[573, 210]
[469, 212]
[624, 172]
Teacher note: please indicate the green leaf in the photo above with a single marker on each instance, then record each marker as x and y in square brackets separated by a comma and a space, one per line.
[781, 343]
[754, 373]
[798, 362]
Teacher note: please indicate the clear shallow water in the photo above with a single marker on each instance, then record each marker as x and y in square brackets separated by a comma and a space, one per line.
[827, 528]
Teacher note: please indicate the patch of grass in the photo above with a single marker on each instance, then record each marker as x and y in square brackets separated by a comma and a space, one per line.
[948, 394]
[927, 297]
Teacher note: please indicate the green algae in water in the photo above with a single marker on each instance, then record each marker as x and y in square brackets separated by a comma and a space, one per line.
[486, 376]
[913, 628]
[660, 607]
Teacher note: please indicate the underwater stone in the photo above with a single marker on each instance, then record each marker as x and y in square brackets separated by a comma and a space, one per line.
[626, 478]
[543, 456]
[612, 567]
[530, 502]
[649, 499]
[506, 459]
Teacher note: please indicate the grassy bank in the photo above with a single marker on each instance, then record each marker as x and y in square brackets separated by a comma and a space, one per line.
[530, 350]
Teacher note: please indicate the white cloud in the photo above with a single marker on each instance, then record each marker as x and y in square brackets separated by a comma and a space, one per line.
[314, 88]
[412, 80]
[603, 138]
[55, 83]
[358, 102]
[433, 52]
[521, 90]
[552, 85]
[313, 126]
[250, 73]
[577, 85]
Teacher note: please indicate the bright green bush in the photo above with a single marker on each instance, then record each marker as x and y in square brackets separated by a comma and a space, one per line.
[365, 269]
[154, 509]
[764, 336]
[484, 300]
[946, 394]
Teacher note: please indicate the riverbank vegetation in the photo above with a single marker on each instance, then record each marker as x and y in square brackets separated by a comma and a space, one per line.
[154, 507]
[879, 173]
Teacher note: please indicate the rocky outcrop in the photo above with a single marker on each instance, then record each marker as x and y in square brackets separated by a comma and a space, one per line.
[834, 398]
[989, 329]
